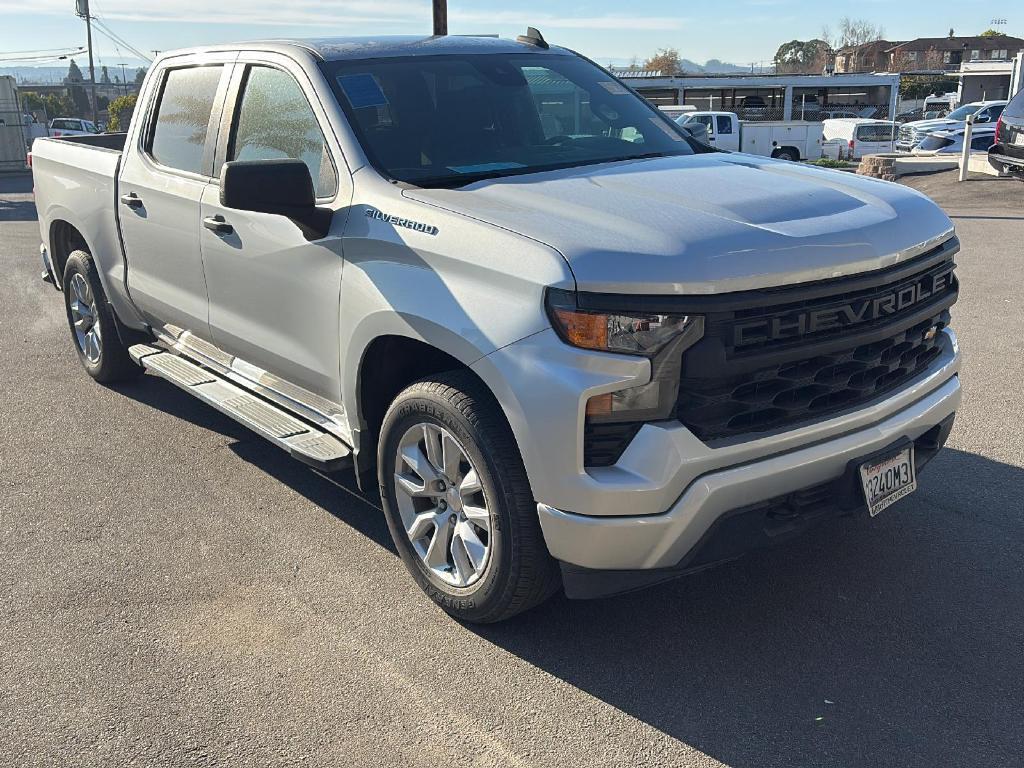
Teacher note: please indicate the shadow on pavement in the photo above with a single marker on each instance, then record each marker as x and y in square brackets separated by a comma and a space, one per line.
[336, 494]
[17, 210]
[887, 642]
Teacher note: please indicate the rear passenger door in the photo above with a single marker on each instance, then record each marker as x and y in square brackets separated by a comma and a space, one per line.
[274, 295]
[162, 180]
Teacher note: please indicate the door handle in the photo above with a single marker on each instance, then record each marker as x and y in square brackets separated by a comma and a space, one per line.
[218, 225]
[131, 200]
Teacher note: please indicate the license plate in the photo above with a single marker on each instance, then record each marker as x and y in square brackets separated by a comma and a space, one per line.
[1019, 139]
[888, 480]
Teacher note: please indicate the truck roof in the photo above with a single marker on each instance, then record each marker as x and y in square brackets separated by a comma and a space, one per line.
[386, 46]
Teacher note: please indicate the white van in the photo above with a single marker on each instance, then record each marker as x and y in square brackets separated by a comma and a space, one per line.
[861, 137]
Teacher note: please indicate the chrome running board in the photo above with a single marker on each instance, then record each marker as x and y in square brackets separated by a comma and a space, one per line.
[327, 415]
[306, 442]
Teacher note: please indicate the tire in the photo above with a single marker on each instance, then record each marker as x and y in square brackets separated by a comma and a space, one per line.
[513, 572]
[786, 154]
[94, 328]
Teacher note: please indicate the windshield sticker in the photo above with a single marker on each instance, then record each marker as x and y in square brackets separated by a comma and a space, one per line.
[615, 89]
[484, 167]
[667, 129]
[362, 91]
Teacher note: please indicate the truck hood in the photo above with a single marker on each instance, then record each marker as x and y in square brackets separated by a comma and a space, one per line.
[706, 223]
[939, 124]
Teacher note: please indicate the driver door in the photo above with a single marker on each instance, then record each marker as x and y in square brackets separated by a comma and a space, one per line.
[274, 295]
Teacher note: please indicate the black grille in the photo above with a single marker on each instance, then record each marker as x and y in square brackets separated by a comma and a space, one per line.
[786, 394]
[603, 444]
[812, 352]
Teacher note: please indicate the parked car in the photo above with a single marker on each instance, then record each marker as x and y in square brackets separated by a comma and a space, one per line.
[911, 134]
[675, 111]
[837, 114]
[792, 140]
[698, 130]
[753, 108]
[861, 137]
[1007, 151]
[72, 126]
[952, 142]
[581, 361]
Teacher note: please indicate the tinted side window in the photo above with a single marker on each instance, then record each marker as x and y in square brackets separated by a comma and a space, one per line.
[724, 124]
[183, 117]
[982, 142]
[275, 121]
[1016, 106]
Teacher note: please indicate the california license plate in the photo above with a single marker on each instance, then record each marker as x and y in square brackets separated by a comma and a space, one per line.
[889, 479]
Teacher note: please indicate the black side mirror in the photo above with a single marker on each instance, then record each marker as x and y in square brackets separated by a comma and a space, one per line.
[281, 187]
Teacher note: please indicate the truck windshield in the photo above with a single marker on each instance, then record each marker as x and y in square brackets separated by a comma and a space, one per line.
[963, 112]
[454, 119]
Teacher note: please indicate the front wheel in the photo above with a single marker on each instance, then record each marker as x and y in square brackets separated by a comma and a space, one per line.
[458, 502]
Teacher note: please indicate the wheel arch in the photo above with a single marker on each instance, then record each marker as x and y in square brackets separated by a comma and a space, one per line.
[785, 149]
[64, 237]
[388, 363]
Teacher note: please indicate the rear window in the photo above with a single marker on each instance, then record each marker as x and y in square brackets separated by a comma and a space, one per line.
[1016, 106]
[183, 117]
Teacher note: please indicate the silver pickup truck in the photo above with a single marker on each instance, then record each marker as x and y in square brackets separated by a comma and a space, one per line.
[576, 348]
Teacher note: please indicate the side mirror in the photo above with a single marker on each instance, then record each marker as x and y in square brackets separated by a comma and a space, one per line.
[281, 187]
[982, 119]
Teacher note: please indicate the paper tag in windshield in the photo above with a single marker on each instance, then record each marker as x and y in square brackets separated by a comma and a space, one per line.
[615, 89]
[667, 129]
[362, 91]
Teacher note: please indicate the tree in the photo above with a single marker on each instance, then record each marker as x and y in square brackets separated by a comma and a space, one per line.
[992, 33]
[852, 32]
[140, 75]
[74, 73]
[802, 57]
[51, 105]
[901, 61]
[666, 60]
[104, 75]
[120, 111]
[919, 86]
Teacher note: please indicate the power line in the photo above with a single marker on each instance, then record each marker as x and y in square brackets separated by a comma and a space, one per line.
[117, 39]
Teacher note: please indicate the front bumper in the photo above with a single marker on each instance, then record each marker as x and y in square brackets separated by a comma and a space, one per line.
[670, 540]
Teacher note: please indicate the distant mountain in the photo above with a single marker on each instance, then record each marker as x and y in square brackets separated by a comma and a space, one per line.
[712, 67]
[37, 74]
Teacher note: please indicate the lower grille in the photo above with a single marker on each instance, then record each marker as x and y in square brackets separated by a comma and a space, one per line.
[784, 395]
[603, 444]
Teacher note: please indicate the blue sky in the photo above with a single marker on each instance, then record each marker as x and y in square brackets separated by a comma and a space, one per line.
[741, 31]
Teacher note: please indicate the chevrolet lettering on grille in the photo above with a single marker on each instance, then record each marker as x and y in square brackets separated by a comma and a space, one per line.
[797, 324]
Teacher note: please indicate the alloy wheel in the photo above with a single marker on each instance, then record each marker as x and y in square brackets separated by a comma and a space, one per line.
[442, 504]
[85, 319]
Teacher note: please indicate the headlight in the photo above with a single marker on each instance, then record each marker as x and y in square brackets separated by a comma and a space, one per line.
[661, 336]
[631, 333]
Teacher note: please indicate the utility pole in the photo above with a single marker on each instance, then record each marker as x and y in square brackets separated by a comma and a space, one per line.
[124, 79]
[82, 9]
[440, 17]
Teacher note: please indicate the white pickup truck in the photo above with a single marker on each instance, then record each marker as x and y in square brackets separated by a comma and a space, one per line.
[784, 140]
[569, 347]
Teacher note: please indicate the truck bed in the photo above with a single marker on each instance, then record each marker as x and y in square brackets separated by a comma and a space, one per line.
[75, 179]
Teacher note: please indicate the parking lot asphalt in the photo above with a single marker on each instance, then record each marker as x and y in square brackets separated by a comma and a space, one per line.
[175, 591]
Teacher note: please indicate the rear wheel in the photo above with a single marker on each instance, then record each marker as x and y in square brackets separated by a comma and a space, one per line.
[458, 502]
[93, 326]
[786, 154]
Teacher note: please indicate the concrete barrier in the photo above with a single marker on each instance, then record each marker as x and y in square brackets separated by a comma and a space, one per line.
[891, 166]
